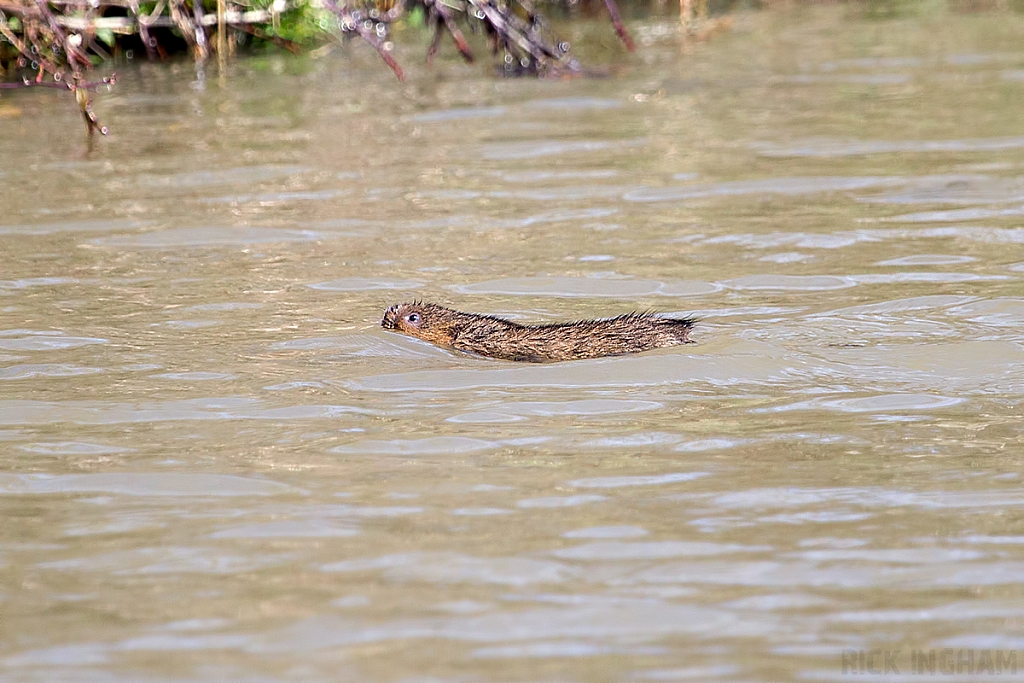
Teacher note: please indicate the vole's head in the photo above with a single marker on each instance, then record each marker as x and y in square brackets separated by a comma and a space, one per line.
[430, 322]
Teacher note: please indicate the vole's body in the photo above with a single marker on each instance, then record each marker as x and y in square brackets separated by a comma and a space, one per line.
[499, 338]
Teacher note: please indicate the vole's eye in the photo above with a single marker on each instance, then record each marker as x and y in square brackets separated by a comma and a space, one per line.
[413, 318]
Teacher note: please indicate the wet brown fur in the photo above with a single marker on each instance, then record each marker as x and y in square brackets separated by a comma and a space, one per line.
[487, 335]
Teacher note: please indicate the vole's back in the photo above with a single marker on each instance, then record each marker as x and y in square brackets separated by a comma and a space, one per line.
[630, 333]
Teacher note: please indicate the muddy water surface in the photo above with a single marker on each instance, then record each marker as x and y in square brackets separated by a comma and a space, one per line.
[214, 464]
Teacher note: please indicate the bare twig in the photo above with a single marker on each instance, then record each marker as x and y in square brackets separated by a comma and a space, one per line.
[184, 24]
[70, 46]
[91, 86]
[378, 45]
[148, 41]
[514, 33]
[202, 45]
[91, 122]
[435, 43]
[222, 34]
[442, 13]
[351, 20]
[23, 49]
[620, 28]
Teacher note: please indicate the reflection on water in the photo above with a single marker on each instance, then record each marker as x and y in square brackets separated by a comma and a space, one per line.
[214, 463]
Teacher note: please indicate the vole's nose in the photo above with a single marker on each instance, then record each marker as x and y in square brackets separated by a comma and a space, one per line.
[390, 319]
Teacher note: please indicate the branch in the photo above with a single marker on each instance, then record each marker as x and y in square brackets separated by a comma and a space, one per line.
[351, 22]
[9, 35]
[202, 46]
[73, 53]
[620, 28]
[183, 23]
[373, 40]
[444, 13]
[91, 122]
[147, 40]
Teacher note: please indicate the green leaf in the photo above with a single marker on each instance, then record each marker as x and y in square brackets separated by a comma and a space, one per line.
[417, 18]
[105, 35]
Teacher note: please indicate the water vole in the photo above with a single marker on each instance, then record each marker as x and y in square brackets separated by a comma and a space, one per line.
[487, 335]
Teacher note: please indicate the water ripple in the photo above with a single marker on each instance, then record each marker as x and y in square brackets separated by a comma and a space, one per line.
[871, 404]
[167, 560]
[43, 342]
[14, 412]
[72, 448]
[534, 149]
[790, 282]
[560, 501]
[652, 480]
[458, 568]
[458, 114]
[437, 445]
[362, 284]
[927, 260]
[99, 225]
[588, 287]
[606, 532]
[784, 186]
[302, 528]
[208, 237]
[141, 484]
[31, 371]
[231, 176]
[753, 362]
[823, 147]
[572, 103]
[629, 620]
[652, 550]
